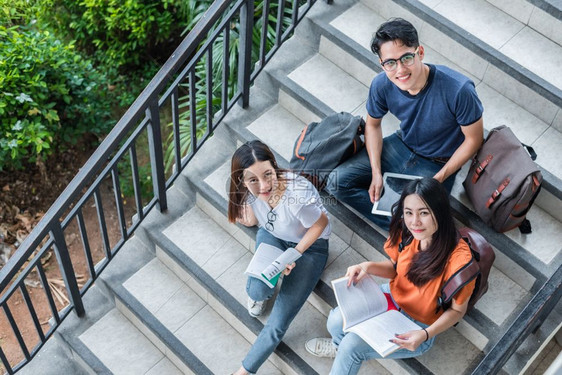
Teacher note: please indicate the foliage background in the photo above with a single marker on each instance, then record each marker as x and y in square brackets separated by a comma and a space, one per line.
[50, 96]
[70, 68]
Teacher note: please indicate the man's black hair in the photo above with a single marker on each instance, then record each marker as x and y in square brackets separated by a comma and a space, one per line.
[392, 30]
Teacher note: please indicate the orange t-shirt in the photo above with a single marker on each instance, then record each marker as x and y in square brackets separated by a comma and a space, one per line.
[421, 302]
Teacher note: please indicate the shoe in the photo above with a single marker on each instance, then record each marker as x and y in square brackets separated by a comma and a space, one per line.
[321, 347]
[256, 308]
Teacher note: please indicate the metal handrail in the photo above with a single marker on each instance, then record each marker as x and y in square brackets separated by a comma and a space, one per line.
[529, 319]
[143, 117]
[111, 142]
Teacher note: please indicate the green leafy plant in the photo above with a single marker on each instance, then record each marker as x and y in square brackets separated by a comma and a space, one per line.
[17, 12]
[128, 39]
[49, 96]
[217, 69]
[120, 33]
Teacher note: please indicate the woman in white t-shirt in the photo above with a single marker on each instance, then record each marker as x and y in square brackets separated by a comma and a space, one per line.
[290, 215]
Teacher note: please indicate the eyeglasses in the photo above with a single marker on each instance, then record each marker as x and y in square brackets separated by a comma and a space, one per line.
[406, 59]
[271, 216]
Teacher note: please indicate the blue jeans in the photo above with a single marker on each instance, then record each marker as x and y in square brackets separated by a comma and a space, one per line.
[350, 181]
[295, 289]
[352, 350]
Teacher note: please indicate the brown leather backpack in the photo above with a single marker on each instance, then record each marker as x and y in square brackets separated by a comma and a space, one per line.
[478, 268]
[503, 181]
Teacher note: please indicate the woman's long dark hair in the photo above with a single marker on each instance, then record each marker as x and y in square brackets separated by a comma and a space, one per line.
[430, 263]
[244, 157]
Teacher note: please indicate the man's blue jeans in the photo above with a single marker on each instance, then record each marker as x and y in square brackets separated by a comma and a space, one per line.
[352, 350]
[350, 181]
[295, 289]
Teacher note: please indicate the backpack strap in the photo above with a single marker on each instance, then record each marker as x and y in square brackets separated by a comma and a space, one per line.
[530, 151]
[525, 226]
[401, 245]
[455, 283]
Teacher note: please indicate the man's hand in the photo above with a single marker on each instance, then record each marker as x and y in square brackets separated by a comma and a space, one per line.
[473, 138]
[439, 176]
[375, 189]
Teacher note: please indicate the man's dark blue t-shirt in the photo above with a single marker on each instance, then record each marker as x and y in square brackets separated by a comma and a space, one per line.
[429, 121]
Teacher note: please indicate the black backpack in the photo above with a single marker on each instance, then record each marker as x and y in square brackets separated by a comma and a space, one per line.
[324, 145]
[478, 268]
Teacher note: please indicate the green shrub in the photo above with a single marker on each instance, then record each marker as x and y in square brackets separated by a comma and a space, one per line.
[49, 96]
[128, 39]
[120, 33]
[16, 12]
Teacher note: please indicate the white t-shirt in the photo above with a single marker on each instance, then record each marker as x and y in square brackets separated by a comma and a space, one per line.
[298, 209]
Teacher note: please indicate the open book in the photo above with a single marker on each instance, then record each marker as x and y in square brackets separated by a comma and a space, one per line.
[365, 311]
[269, 261]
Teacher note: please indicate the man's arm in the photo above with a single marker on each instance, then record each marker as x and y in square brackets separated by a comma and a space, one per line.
[373, 143]
[473, 138]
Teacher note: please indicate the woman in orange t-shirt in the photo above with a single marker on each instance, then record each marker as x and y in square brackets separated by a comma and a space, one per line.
[432, 252]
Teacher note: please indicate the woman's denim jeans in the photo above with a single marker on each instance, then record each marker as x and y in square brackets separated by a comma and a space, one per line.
[352, 350]
[350, 181]
[295, 289]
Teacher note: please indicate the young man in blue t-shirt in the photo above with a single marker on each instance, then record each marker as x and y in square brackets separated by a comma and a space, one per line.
[440, 115]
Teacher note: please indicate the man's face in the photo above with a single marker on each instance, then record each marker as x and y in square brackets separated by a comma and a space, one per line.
[407, 78]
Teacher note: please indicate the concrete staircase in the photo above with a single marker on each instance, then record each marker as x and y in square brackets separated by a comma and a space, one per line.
[173, 300]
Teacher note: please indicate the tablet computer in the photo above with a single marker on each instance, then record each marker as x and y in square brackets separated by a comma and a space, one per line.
[393, 183]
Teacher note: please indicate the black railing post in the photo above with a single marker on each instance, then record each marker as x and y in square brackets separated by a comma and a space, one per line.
[67, 271]
[5, 362]
[245, 51]
[156, 154]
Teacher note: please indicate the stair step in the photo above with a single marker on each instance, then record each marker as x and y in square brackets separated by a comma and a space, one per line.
[506, 34]
[225, 260]
[482, 19]
[545, 18]
[333, 86]
[123, 349]
[286, 130]
[105, 341]
[131, 260]
[189, 318]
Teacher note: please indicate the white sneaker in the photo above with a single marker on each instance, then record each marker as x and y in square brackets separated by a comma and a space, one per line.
[321, 347]
[256, 308]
